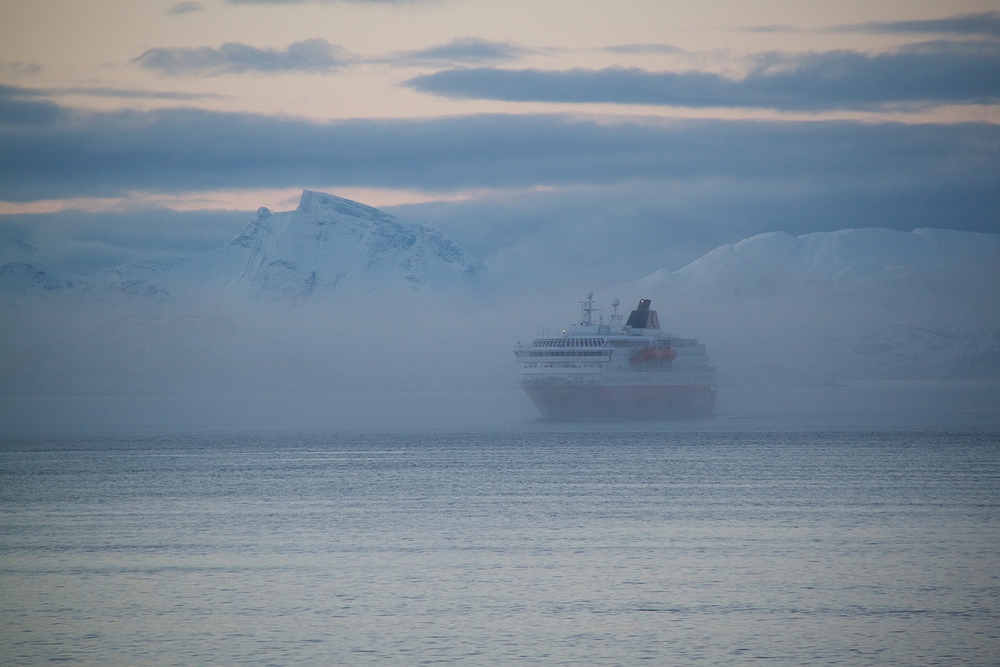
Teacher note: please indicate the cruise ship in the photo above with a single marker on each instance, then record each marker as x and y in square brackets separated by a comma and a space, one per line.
[610, 370]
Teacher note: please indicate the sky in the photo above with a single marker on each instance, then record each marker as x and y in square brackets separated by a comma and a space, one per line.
[562, 142]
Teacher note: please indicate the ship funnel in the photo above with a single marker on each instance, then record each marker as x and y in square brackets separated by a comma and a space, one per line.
[642, 317]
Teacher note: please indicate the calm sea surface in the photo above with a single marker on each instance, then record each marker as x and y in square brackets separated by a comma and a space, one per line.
[538, 545]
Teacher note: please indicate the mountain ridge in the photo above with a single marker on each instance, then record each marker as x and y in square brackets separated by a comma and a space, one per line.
[327, 247]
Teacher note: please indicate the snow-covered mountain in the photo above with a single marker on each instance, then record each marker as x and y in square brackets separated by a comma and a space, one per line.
[329, 243]
[835, 306]
[328, 247]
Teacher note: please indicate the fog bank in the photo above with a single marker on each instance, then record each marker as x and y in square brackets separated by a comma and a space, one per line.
[304, 309]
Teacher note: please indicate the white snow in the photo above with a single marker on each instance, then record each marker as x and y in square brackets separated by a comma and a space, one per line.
[333, 244]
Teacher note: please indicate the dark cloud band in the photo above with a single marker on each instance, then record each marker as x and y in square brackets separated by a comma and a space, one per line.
[984, 24]
[462, 51]
[935, 73]
[23, 106]
[311, 55]
[185, 8]
[108, 154]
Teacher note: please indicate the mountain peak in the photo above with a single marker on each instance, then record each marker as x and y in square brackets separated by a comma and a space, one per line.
[324, 206]
[332, 244]
[329, 247]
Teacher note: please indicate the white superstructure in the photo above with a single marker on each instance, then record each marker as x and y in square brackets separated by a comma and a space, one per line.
[614, 370]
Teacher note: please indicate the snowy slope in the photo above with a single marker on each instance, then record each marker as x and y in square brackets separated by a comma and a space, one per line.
[331, 244]
[20, 278]
[835, 306]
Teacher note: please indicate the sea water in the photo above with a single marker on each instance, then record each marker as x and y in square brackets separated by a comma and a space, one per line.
[586, 545]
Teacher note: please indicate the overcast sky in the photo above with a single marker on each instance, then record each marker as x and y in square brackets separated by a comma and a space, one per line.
[609, 139]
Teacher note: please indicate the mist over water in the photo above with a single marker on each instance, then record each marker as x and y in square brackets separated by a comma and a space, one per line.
[536, 545]
[304, 314]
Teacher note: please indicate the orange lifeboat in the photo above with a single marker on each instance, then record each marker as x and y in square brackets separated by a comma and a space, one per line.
[653, 354]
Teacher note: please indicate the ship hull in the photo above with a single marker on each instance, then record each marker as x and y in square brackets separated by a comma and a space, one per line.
[656, 402]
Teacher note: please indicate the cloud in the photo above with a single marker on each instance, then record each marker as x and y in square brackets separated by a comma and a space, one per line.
[29, 105]
[128, 93]
[774, 27]
[185, 8]
[468, 50]
[932, 175]
[984, 24]
[311, 55]
[933, 72]
[20, 106]
[19, 68]
[645, 49]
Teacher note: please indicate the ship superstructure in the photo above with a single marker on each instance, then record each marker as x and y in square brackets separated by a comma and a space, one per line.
[598, 370]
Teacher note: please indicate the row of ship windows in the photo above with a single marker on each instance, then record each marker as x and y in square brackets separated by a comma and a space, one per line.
[568, 342]
[568, 353]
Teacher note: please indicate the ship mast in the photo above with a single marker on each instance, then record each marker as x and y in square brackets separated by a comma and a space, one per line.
[586, 310]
